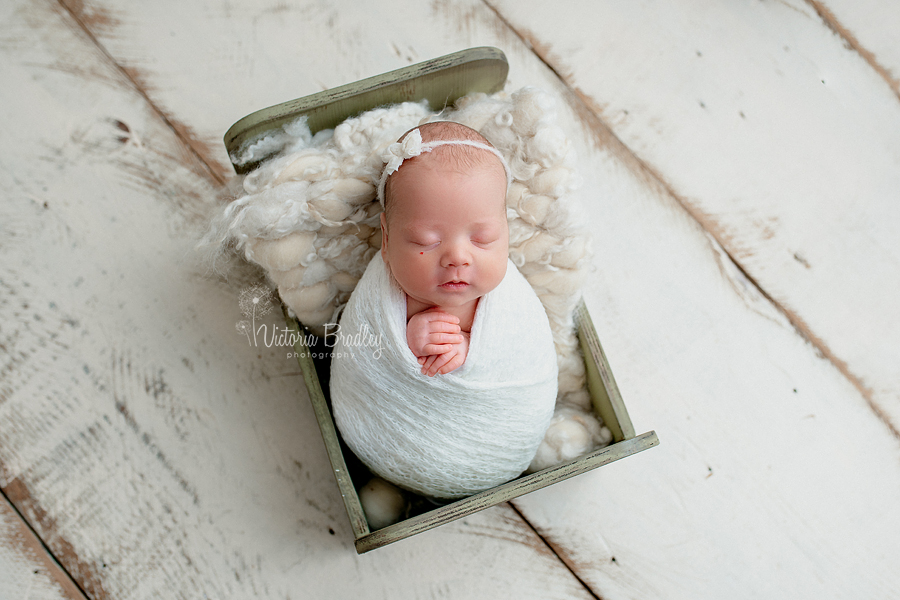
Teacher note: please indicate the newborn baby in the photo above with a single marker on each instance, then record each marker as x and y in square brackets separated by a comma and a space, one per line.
[459, 389]
[445, 240]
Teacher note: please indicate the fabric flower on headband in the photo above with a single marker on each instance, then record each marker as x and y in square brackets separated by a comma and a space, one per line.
[394, 155]
[411, 146]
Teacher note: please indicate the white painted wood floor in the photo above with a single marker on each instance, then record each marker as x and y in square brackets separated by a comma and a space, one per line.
[742, 175]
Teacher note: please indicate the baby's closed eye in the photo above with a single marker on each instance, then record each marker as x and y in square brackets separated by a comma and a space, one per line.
[484, 240]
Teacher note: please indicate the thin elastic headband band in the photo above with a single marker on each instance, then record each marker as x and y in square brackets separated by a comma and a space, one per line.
[394, 155]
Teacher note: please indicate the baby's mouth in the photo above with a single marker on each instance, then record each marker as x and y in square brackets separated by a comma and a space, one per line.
[454, 285]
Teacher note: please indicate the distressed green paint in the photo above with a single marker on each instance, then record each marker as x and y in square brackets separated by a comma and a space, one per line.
[605, 396]
[326, 425]
[441, 81]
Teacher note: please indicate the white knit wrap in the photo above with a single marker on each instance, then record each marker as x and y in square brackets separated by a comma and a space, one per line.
[453, 435]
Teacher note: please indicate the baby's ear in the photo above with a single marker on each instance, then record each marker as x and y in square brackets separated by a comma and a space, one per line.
[384, 239]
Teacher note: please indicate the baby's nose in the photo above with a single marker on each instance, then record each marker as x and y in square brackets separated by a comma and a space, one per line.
[456, 255]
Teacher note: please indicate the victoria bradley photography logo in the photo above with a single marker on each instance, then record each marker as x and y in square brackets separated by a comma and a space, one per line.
[257, 301]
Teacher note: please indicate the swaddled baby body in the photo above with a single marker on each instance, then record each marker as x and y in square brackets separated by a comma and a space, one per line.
[458, 393]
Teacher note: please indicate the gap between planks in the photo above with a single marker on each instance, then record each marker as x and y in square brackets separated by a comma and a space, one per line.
[181, 132]
[553, 549]
[67, 583]
[852, 43]
[586, 108]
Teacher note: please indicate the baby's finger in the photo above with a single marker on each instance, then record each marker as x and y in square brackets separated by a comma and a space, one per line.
[451, 365]
[436, 348]
[444, 338]
[439, 364]
[439, 316]
[428, 364]
[443, 327]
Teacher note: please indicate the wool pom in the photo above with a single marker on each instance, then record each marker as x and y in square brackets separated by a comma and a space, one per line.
[549, 146]
[291, 278]
[330, 208]
[514, 193]
[572, 433]
[384, 503]
[344, 282]
[539, 247]
[283, 253]
[534, 208]
[533, 108]
[563, 282]
[322, 315]
[314, 297]
[551, 182]
[364, 232]
[353, 191]
[573, 250]
[569, 381]
[309, 167]
[580, 399]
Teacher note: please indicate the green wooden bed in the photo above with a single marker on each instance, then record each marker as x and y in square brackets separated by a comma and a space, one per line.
[441, 81]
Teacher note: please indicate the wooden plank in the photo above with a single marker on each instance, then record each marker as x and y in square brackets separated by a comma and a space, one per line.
[605, 395]
[27, 570]
[154, 451]
[779, 138]
[868, 27]
[355, 513]
[749, 496]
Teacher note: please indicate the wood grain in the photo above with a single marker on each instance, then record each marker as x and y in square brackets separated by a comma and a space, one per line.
[142, 430]
[27, 570]
[777, 136]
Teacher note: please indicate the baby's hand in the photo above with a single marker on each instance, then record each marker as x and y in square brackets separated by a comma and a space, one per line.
[448, 361]
[432, 332]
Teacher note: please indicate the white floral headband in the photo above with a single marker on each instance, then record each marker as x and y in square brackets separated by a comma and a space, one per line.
[394, 155]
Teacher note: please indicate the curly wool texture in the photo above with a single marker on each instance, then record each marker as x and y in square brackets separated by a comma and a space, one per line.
[309, 216]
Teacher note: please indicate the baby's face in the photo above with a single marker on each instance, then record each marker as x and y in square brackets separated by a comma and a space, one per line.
[447, 239]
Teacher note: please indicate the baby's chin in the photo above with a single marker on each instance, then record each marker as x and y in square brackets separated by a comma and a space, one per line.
[447, 299]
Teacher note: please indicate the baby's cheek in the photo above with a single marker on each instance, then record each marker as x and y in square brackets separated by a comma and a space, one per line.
[502, 262]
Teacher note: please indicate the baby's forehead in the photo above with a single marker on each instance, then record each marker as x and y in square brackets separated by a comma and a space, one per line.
[459, 159]
[428, 172]
[449, 162]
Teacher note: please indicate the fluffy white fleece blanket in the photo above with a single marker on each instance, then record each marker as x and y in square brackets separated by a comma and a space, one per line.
[447, 436]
